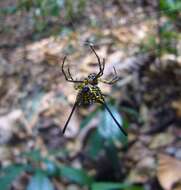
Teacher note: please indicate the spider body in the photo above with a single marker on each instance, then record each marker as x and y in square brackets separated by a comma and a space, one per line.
[88, 90]
[89, 94]
[92, 79]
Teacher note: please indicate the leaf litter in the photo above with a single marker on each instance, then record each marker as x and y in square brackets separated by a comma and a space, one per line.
[35, 98]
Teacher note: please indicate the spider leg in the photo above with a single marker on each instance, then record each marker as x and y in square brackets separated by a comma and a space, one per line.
[73, 109]
[113, 80]
[101, 65]
[66, 78]
[120, 127]
[70, 74]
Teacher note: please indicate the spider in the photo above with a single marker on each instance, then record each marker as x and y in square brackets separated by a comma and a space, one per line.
[88, 90]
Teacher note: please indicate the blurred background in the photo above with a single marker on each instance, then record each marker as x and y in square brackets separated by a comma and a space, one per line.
[142, 40]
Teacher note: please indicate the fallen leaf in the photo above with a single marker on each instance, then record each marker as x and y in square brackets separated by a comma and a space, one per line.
[143, 171]
[8, 124]
[138, 151]
[177, 106]
[168, 171]
[161, 140]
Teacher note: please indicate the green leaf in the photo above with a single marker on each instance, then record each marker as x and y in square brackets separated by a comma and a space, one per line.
[76, 175]
[88, 118]
[55, 10]
[51, 168]
[81, 7]
[95, 144]
[148, 45]
[112, 154]
[9, 174]
[34, 155]
[114, 186]
[40, 182]
[8, 10]
[170, 5]
[61, 3]
[171, 8]
[108, 129]
[61, 152]
[130, 111]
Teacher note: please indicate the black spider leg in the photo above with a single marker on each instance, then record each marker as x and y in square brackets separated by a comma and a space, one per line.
[73, 109]
[71, 78]
[101, 65]
[120, 127]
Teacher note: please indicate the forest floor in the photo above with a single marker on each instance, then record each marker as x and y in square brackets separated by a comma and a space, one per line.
[36, 100]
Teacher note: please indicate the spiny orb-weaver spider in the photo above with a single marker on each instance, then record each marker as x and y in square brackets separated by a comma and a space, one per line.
[88, 90]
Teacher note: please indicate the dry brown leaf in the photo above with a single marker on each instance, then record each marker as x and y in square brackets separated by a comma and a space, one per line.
[124, 35]
[169, 171]
[5, 154]
[143, 170]
[38, 51]
[138, 151]
[177, 106]
[177, 186]
[52, 59]
[127, 35]
[9, 124]
[161, 140]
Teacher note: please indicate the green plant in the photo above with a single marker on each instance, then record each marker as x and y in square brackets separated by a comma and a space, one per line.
[41, 176]
[167, 35]
[45, 12]
[173, 5]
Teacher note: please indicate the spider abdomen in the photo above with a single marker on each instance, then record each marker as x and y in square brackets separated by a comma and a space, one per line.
[89, 94]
